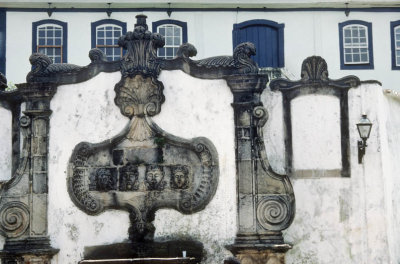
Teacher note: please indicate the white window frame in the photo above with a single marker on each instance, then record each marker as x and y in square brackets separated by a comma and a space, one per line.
[173, 46]
[105, 46]
[355, 45]
[38, 46]
[396, 47]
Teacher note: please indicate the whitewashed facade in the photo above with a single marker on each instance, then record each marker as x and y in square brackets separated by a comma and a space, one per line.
[338, 220]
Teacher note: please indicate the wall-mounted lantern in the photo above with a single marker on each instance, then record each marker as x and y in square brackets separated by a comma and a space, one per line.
[364, 129]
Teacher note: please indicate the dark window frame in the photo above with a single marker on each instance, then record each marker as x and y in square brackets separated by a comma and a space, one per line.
[64, 47]
[393, 25]
[361, 66]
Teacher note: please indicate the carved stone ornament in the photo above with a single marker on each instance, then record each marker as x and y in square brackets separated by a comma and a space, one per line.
[315, 80]
[143, 168]
[314, 73]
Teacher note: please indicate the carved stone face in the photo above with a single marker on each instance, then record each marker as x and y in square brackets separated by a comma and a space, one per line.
[154, 177]
[129, 178]
[180, 177]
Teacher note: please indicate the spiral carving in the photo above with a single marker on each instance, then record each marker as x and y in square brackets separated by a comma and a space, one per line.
[260, 113]
[24, 121]
[14, 218]
[273, 213]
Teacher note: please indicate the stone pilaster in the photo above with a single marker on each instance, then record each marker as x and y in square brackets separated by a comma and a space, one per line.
[265, 199]
[24, 200]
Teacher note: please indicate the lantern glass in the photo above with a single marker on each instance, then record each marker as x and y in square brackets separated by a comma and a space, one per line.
[364, 127]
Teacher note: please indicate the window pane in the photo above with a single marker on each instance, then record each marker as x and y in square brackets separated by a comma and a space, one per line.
[398, 44]
[42, 41]
[355, 32]
[162, 31]
[169, 31]
[347, 40]
[49, 51]
[57, 60]
[177, 31]
[117, 34]
[362, 32]
[109, 51]
[108, 34]
[170, 52]
[117, 51]
[109, 28]
[347, 33]
[57, 51]
[168, 40]
[49, 42]
[356, 57]
[109, 41]
[177, 41]
[100, 41]
[57, 33]
[364, 57]
[41, 33]
[161, 52]
[57, 42]
[348, 58]
[100, 34]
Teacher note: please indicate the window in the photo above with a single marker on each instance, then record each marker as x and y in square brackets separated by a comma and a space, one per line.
[356, 45]
[105, 35]
[267, 36]
[50, 37]
[174, 32]
[395, 36]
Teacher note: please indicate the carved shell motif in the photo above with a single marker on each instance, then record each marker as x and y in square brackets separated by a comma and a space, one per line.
[139, 96]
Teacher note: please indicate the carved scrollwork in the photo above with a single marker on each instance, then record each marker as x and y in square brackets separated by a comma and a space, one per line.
[314, 73]
[261, 114]
[186, 50]
[240, 60]
[141, 55]
[97, 55]
[77, 183]
[139, 96]
[14, 219]
[42, 66]
[273, 213]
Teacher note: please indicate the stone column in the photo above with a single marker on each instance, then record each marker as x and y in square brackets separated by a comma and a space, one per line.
[23, 213]
[265, 199]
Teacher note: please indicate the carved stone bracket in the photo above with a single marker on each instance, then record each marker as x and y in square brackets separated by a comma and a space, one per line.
[315, 80]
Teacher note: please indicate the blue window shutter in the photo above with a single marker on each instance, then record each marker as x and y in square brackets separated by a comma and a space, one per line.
[267, 36]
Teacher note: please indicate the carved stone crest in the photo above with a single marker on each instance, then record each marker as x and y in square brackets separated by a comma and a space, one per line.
[143, 168]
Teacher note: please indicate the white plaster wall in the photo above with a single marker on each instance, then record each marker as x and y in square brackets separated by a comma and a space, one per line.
[347, 220]
[306, 33]
[5, 144]
[86, 112]
[316, 123]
